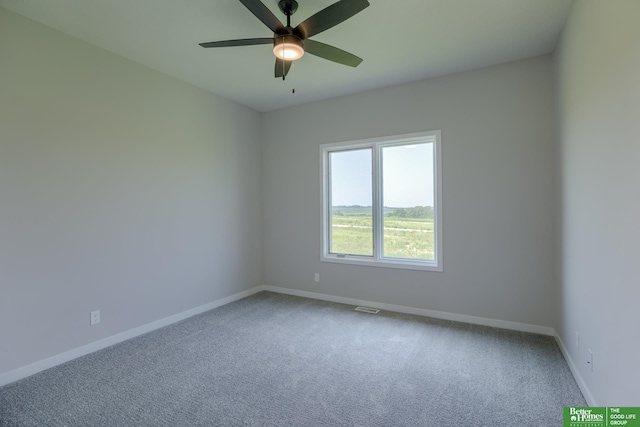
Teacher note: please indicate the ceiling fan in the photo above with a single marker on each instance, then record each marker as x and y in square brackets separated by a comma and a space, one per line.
[289, 44]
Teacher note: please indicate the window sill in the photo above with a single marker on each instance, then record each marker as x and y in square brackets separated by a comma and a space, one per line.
[400, 264]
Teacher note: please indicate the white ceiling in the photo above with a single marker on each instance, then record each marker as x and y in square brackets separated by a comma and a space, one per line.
[399, 40]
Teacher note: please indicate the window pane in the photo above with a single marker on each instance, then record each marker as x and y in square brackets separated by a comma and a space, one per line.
[408, 200]
[351, 202]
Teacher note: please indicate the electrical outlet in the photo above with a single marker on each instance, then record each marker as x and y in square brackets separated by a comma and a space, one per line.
[577, 340]
[590, 358]
[95, 317]
[316, 277]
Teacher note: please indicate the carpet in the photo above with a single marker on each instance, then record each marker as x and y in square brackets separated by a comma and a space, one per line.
[278, 360]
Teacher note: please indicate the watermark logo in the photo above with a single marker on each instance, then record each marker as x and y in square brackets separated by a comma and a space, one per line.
[578, 416]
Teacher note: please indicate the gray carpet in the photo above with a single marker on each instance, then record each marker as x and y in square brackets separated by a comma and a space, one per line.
[276, 360]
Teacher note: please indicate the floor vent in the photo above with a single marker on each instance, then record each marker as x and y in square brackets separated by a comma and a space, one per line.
[368, 310]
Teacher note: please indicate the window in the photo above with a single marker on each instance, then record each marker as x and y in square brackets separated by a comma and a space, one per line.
[381, 202]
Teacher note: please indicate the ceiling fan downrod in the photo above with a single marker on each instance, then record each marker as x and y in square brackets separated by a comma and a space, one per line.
[288, 7]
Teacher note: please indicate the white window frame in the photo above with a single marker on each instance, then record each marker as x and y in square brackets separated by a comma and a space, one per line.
[376, 144]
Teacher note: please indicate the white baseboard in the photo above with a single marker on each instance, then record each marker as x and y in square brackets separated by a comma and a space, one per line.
[58, 359]
[576, 374]
[522, 327]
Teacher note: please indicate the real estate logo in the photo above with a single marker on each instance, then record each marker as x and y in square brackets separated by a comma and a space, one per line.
[582, 417]
[601, 416]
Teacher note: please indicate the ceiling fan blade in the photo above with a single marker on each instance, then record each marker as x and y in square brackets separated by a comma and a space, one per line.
[263, 13]
[329, 17]
[280, 68]
[331, 53]
[239, 42]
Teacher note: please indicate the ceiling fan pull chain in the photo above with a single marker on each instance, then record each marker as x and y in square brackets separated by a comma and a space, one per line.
[283, 63]
[293, 76]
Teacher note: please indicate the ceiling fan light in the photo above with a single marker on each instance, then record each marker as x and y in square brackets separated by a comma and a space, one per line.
[288, 48]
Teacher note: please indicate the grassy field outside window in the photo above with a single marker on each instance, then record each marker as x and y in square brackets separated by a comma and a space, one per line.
[404, 237]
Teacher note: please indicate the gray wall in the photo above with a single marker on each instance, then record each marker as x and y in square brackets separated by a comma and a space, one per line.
[498, 192]
[599, 110]
[121, 189]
